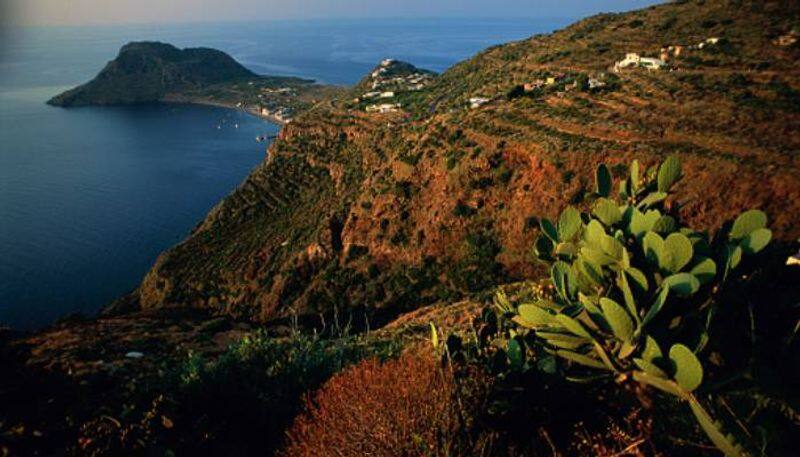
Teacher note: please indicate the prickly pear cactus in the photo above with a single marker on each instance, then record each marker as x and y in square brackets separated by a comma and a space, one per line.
[626, 277]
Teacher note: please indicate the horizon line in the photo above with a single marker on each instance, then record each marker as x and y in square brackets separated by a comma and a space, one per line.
[300, 20]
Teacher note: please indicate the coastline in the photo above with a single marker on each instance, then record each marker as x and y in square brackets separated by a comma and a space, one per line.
[222, 104]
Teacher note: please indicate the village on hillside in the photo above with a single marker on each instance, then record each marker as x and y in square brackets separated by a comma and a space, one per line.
[388, 81]
[562, 83]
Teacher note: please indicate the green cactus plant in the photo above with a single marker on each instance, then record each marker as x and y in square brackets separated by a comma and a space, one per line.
[626, 273]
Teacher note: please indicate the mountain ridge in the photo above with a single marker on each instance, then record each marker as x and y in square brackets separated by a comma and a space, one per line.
[146, 71]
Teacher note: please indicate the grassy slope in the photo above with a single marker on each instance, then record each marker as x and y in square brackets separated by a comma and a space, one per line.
[347, 200]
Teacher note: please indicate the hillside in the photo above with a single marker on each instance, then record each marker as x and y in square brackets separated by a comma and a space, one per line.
[387, 212]
[361, 220]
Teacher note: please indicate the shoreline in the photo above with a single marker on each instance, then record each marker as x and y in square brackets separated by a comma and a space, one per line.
[221, 104]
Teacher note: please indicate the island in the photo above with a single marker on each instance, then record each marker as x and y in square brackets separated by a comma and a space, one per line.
[152, 72]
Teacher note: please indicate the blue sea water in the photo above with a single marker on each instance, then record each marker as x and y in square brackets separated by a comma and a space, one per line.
[90, 196]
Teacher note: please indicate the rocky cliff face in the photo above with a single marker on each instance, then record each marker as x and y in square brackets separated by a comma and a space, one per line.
[387, 212]
[147, 71]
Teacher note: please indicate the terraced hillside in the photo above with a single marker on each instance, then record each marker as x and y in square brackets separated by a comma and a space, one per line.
[387, 212]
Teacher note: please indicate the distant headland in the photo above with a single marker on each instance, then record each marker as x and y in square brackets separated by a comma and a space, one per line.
[150, 72]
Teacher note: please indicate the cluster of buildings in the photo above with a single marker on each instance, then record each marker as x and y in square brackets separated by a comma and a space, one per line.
[385, 85]
[676, 50]
[384, 108]
[409, 82]
[634, 60]
[280, 91]
[564, 82]
[594, 83]
[281, 114]
[377, 94]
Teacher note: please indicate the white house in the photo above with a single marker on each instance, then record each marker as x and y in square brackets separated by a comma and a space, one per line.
[787, 40]
[383, 108]
[387, 94]
[633, 59]
[794, 260]
[477, 102]
[595, 83]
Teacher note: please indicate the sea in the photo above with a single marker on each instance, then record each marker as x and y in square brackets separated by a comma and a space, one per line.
[89, 197]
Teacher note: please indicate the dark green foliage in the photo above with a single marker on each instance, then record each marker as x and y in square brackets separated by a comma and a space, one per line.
[478, 269]
[399, 238]
[636, 23]
[404, 189]
[516, 92]
[452, 158]
[482, 182]
[462, 210]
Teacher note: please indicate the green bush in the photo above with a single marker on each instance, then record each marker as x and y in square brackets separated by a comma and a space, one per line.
[479, 268]
[462, 210]
[244, 400]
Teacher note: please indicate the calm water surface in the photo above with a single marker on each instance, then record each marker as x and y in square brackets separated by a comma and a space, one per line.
[90, 196]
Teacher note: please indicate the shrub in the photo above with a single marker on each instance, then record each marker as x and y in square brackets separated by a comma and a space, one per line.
[479, 268]
[406, 406]
[516, 92]
[632, 292]
[253, 391]
[238, 404]
[463, 210]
